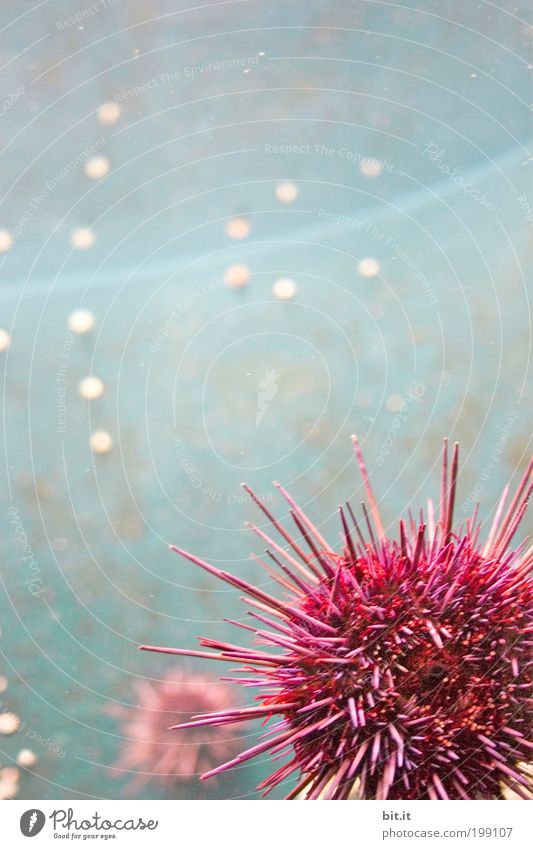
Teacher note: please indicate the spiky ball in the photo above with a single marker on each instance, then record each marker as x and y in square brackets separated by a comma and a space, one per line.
[151, 749]
[399, 668]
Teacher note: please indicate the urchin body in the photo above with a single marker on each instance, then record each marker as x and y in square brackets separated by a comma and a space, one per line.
[417, 691]
[397, 669]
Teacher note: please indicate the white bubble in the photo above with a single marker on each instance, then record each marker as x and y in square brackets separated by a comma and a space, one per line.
[97, 167]
[81, 321]
[286, 192]
[82, 238]
[6, 240]
[370, 168]
[238, 228]
[5, 340]
[109, 113]
[394, 403]
[91, 388]
[101, 442]
[368, 267]
[26, 757]
[237, 276]
[9, 723]
[284, 289]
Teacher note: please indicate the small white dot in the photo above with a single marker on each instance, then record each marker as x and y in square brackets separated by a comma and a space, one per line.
[82, 238]
[284, 289]
[6, 241]
[91, 388]
[26, 757]
[370, 168]
[101, 442]
[97, 167]
[394, 403]
[238, 228]
[5, 340]
[108, 113]
[237, 276]
[286, 192]
[81, 321]
[9, 723]
[368, 267]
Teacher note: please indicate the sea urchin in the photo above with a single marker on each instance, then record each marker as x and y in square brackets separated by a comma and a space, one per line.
[151, 751]
[398, 668]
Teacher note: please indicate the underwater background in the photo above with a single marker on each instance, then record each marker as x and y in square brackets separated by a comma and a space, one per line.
[163, 166]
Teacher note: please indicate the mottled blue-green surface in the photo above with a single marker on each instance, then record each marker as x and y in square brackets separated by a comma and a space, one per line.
[211, 97]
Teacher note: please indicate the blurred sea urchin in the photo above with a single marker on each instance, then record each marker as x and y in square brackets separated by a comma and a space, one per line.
[398, 668]
[151, 749]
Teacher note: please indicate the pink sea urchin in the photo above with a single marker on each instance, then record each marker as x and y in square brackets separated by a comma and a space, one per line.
[152, 750]
[398, 668]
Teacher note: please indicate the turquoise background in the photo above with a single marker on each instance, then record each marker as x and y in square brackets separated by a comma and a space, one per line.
[182, 355]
